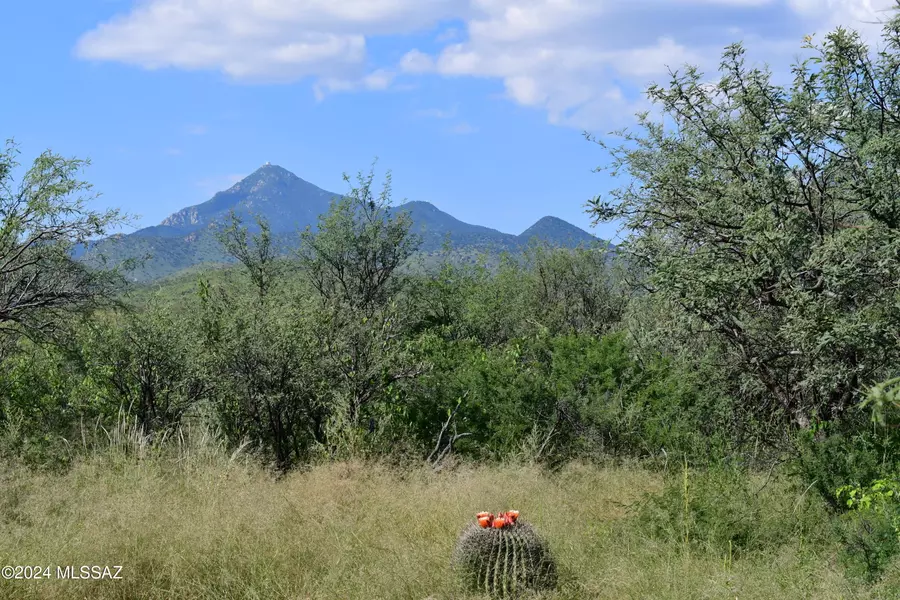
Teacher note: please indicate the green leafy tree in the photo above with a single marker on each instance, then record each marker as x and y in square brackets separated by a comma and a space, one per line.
[496, 310]
[770, 214]
[352, 261]
[44, 220]
[144, 361]
[45, 399]
[262, 366]
[353, 256]
[574, 291]
[439, 298]
[258, 254]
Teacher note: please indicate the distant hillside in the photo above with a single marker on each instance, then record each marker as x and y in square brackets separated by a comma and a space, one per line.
[187, 237]
[558, 232]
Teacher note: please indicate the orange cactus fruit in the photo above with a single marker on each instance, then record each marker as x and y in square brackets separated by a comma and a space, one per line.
[512, 515]
[499, 522]
[485, 519]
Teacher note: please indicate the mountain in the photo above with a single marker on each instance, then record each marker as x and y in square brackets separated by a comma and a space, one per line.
[187, 237]
[555, 230]
[434, 225]
[272, 192]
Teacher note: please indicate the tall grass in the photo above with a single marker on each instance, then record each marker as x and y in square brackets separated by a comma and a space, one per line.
[186, 519]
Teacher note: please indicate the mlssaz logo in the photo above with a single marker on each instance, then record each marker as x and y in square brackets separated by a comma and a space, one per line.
[89, 572]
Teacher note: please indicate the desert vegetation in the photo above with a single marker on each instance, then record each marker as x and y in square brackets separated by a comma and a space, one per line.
[709, 409]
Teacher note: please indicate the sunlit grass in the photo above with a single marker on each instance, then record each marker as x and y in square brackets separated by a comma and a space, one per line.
[200, 525]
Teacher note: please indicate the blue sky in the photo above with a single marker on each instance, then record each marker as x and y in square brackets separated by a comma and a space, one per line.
[475, 105]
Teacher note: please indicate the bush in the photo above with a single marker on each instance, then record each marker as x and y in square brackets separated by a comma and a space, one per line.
[871, 530]
[554, 397]
[832, 455]
[723, 510]
[869, 541]
[43, 401]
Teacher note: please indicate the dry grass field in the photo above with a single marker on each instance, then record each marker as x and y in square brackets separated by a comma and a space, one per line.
[198, 525]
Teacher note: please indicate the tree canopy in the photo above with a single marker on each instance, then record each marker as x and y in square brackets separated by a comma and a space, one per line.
[770, 214]
[43, 221]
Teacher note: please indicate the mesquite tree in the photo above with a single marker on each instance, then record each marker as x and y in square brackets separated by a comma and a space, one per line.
[353, 257]
[352, 261]
[43, 220]
[771, 214]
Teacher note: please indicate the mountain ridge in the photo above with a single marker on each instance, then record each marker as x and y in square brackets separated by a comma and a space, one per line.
[186, 237]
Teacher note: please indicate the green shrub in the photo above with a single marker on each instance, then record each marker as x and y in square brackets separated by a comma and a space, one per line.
[724, 510]
[871, 530]
[869, 541]
[831, 455]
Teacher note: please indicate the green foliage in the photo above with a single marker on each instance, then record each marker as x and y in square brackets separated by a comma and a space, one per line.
[45, 220]
[441, 297]
[579, 291]
[504, 394]
[504, 563]
[858, 476]
[879, 493]
[883, 399]
[260, 362]
[259, 257]
[769, 215]
[144, 361]
[362, 315]
[869, 534]
[494, 312]
[358, 246]
[832, 455]
[722, 511]
[552, 398]
[39, 411]
[871, 530]
[852, 454]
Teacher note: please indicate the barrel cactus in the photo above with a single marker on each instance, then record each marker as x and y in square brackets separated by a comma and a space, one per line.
[503, 556]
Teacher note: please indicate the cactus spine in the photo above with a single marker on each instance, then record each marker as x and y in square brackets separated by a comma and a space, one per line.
[505, 559]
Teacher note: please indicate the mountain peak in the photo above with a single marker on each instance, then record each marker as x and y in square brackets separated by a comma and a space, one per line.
[554, 228]
[269, 167]
[269, 172]
[271, 191]
[551, 220]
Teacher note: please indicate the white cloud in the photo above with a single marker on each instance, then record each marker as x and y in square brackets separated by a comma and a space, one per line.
[524, 90]
[415, 61]
[378, 80]
[374, 81]
[257, 40]
[865, 16]
[581, 61]
[449, 34]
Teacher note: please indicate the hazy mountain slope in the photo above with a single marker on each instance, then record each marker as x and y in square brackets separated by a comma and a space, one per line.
[187, 237]
[273, 192]
[557, 231]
